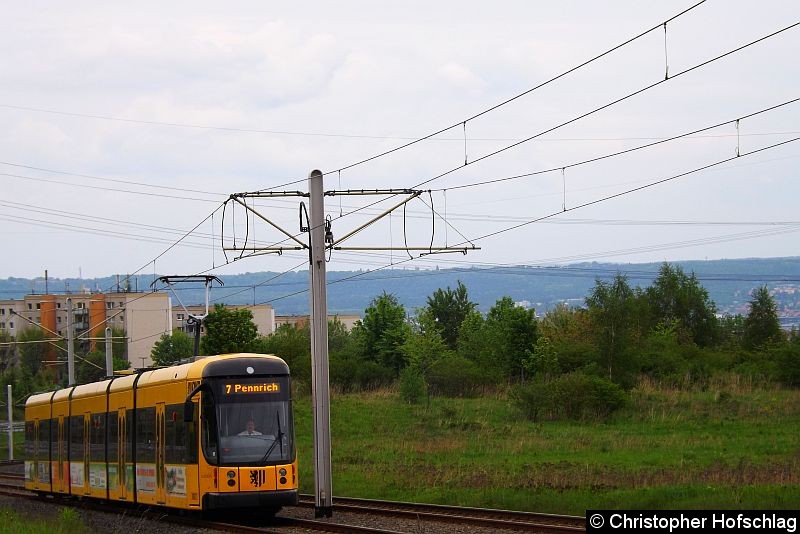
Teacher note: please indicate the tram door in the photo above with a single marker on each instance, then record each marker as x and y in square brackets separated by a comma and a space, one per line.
[122, 454]
[59, 480]
[161, 496]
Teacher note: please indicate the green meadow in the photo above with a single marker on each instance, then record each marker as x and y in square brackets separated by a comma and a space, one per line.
[733, 447]
[65, 521]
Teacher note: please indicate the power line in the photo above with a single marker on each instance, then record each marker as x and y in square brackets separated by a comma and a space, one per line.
[94, 218]
[253, 287]
[607, 105]
[101, 188]
[597, 201]
[640, 188]
[106, 179]
[574, 119]
[355, 136]
[612, 103]
[520, 95]
[93, 231]
[621, 152]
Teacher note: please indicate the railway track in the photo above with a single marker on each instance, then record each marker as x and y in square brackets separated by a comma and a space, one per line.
[350, 516]
[480, 517]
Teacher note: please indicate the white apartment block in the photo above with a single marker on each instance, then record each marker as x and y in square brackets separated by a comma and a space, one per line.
[144, 317]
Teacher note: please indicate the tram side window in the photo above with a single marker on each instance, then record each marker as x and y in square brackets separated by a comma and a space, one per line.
[30, 443]
[209, 433]
[175, 451]
[53, 439]
[181, 437]
[43, 446]
[130, 417]
[145, 435]
[97, 436]
[76, 438]
[113, 438]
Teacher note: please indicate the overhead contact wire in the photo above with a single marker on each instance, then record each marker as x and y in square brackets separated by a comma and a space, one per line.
[520, 95]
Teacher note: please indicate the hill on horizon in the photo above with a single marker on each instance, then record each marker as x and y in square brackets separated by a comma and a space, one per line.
[728, 282]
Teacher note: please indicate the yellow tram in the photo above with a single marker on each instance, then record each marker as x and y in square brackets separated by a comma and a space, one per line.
[212, 434]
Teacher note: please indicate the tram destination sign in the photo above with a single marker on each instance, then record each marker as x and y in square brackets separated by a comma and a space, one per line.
[238, 388]
[255, 389]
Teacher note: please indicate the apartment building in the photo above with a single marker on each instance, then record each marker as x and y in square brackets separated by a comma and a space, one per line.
[143, 317]
[300, 321]
[263, 317]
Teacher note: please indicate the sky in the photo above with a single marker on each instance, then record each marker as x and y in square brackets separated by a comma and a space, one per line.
[126, 127]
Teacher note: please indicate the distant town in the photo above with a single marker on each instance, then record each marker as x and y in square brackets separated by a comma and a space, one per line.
[127, 303]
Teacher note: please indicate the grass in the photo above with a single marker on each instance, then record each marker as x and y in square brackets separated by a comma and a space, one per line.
[720, 448]
[67, 521]
[19, 443]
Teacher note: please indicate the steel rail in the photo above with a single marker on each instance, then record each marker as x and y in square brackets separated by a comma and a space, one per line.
[483, 517]
[508, 519]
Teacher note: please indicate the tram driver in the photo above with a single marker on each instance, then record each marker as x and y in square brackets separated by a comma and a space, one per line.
[250, 429]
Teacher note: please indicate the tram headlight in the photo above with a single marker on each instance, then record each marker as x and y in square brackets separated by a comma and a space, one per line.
[282, 472]
[231, 474]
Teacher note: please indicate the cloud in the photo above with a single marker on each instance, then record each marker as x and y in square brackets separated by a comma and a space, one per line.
[461, 78]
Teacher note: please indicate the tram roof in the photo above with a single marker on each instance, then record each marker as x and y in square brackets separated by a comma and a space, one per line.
[39, 398]
[238, 364]
[223, 365]
[90, 390]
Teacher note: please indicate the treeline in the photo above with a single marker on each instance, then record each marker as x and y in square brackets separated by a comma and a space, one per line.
[35, 362]
[572, 362]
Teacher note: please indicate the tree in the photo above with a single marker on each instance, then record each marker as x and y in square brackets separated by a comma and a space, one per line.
[611, 307]
[511, 333]
[761, 325]
[674, 296]
[383, 331]
[291, 344]
[424, 347]
[228, 331]
[33, 349]
[563, 323]
[172, 348]
[7, 351]
[449, 308]
[472, 343]
[119, 344]
[339, 338]
[92, 367]
[542, 362]
[731, 330]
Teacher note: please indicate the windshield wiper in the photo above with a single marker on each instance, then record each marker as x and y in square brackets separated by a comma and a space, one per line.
[279, 439]
[280, 432]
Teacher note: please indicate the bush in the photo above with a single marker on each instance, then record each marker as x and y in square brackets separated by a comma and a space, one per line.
[759, 366]
[787, 358]
[412, 386]
[575, 355]
[349, 374]
[455, 376]
[572, 396]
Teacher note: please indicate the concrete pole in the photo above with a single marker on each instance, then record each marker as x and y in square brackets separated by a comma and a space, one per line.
[10, 425]
[70, 344]
[319, 349]
[109, 354]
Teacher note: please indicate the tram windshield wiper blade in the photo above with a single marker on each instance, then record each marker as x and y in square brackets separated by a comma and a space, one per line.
[280, 432]
[278, 440]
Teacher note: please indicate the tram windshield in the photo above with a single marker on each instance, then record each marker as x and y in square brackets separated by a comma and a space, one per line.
[254, 421]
